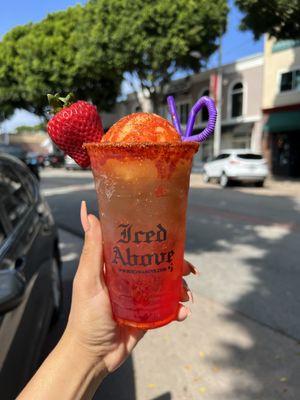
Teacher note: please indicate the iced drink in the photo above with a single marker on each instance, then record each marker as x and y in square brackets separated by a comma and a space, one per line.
[141, 168]
[142, 191]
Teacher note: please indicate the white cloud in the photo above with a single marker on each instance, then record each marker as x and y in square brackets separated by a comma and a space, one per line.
[20, 117]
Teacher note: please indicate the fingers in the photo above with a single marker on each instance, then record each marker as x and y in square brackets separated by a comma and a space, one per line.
[186, 294]
[84, 217]
[183, 313]
[134, 336]
[90, 269]
[188, 268]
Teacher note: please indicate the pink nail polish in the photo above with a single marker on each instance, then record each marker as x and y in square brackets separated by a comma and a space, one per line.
[193, 269]
[84, 217]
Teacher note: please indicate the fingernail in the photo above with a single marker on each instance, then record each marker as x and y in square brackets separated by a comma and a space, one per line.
[191, 297]
[84, 217]
[193, 269]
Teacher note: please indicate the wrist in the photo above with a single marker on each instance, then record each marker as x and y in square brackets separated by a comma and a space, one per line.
[79, 355]
[69, 372]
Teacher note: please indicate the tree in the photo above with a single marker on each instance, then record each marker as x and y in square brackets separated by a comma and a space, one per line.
[42, 58]
[278, 18]
[89, 49]
[6, 111]
[9, 88]
[31, 129]
[151, 40]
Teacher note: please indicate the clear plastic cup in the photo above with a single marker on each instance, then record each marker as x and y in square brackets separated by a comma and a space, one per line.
[142, 192]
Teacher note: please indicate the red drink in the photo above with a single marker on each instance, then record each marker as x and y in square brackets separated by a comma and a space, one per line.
[142, 193]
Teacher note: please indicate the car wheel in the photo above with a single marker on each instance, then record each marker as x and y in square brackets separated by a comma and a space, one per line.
[224, 181]
[206, 178]
[56, 290]
[259, 183]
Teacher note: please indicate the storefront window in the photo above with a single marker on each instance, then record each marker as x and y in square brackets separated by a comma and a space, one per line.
[241, 141]
[206, 150]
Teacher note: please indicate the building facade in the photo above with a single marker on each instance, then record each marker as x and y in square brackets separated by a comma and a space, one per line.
[242, 85]
[281, 106]
[37, 142]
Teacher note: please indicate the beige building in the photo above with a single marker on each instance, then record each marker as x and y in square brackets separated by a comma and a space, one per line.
[281, 106]
[38, 142]
[241, 104]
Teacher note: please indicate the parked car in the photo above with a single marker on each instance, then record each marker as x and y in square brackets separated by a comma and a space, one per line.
[70, 163]
[236, 165]
[56, 160]
[28, 158]
[36, 158]
[32, 162]
[30, 274]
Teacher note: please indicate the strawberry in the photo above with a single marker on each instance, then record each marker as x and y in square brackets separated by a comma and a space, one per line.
[73, 125]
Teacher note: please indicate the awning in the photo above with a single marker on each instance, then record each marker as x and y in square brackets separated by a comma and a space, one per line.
[283, 121]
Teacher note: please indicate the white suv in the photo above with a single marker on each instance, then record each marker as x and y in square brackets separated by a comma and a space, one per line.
[236, 165]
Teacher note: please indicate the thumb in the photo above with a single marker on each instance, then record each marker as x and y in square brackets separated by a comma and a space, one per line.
[90, 269]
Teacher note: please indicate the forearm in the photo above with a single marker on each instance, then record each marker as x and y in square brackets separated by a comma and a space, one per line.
[67, 373]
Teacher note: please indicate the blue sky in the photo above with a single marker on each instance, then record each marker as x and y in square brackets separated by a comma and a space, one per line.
[236, 44]
[19, 12]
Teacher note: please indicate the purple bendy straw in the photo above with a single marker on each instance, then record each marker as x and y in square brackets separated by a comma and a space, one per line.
[212, 117]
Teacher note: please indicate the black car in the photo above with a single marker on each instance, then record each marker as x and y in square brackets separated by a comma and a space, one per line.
[30, 279]
[28, 158]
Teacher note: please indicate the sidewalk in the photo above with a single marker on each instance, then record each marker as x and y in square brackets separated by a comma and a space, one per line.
[246, 246]
[216, 354]
[272, 187]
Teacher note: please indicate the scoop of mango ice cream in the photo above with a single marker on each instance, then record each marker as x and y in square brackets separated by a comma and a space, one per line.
[142, 128]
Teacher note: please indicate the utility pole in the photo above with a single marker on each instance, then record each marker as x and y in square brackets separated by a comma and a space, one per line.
[218, 129]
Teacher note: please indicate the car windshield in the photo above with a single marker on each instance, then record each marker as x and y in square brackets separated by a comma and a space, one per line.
[250, 156]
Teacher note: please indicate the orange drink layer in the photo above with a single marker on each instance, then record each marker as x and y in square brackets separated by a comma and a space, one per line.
[142, 191]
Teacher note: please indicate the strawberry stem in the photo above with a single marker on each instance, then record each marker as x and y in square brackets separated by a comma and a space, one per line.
[57, 102]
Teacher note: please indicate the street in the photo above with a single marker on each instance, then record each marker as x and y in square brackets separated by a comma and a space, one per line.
[242, 339]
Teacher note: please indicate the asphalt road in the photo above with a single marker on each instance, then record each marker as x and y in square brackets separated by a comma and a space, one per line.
[246, 244]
